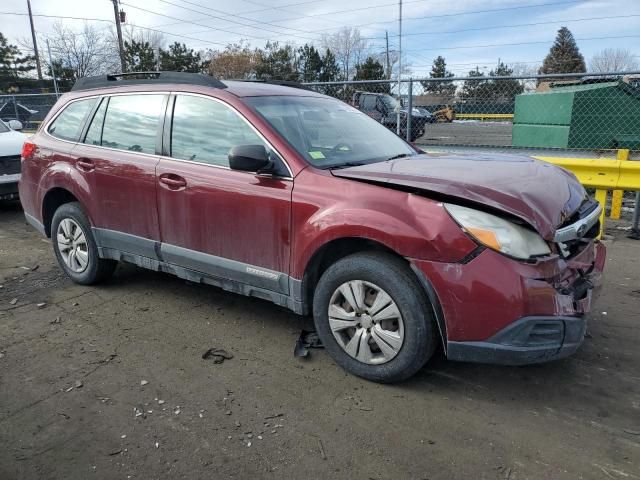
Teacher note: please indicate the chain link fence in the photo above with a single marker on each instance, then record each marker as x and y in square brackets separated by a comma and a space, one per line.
[29, 109]
[568, 114]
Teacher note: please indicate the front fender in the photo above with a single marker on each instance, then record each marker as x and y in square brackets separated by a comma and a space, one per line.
[408, 224]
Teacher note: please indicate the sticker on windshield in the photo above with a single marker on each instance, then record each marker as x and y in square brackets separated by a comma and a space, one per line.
[317, 155]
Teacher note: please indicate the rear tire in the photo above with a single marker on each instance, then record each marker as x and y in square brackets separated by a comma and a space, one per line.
[75, 247]
[381, 343]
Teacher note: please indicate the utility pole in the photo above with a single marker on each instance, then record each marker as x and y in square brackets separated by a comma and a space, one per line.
[399, 68]
[386, 36]
[35, 42]
[119, 30]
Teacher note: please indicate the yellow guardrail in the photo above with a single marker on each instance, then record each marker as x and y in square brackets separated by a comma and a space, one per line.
[483, 116]
[603, 175]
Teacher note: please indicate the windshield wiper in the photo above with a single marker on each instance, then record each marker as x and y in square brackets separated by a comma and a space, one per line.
[400, 155]
[346, 164]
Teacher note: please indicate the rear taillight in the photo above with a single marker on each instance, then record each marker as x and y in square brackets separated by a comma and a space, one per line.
[28, 149]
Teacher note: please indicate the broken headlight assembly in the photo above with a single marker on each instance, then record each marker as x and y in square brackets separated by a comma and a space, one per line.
[499, 234]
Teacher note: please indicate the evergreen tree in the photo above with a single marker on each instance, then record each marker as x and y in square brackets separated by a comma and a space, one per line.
[179, 58]
[139, 56]
[502, 91]
[330, 70]
[472, 89]
[277, 62]
[564, 56]
[439, 70]
[309, 64]
[12, 64]
[371, 69]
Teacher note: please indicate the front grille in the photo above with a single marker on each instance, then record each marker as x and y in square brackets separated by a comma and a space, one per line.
[10, 165]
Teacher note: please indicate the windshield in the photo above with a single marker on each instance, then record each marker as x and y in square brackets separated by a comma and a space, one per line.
[3, 127]
[329, 133]
[390, 102]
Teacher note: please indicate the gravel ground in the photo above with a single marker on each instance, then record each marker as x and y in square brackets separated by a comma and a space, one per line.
[109, 382]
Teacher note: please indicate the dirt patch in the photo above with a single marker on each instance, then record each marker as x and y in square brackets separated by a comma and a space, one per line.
[109, 382]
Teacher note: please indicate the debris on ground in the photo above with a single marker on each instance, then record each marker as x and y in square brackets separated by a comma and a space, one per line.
[78, 384]
[274, 416]
[13, 301]
[307, 340]
[56, 320]
[160, 402]
[143, 383]
[138, 411]
[41, 305]
[218, 355]
[322, 452]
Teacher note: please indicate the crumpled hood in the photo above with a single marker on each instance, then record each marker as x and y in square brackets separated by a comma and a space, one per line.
[537, 192]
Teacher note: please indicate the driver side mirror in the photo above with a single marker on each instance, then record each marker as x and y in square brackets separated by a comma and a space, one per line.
[15, 125]
[250, 158]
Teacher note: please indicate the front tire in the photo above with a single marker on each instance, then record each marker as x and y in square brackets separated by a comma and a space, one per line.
[374, 318]
[75, 247]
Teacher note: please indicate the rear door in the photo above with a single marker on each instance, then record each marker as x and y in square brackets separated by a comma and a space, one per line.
[117, 160]
[226, 223]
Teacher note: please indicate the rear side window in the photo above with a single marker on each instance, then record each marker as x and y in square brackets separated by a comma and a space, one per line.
[68, 124]
[94, 134]
[131, 123]
[204, 131]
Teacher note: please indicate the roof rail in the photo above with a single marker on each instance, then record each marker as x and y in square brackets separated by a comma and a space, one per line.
[137, 78]
[283, 83]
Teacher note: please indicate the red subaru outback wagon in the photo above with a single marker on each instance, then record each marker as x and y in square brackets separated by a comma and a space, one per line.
[295, 197]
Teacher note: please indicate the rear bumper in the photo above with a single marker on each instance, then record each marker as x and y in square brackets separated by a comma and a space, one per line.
[493, 309]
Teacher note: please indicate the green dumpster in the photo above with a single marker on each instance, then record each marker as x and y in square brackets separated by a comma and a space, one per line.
[598, 115]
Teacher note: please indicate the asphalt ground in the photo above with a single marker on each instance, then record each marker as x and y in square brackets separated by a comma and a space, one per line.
[109, 382]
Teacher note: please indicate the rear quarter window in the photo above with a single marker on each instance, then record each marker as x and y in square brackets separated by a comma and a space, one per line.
[68, 124]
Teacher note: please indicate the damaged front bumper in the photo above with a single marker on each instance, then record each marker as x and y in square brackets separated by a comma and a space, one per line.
[497, 310]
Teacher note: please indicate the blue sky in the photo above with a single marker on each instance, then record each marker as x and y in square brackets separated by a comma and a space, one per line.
[478, 38]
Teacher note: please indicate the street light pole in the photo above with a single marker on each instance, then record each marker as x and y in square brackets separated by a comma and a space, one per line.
[119, 31]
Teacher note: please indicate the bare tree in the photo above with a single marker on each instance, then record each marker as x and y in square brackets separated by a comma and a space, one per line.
[86, 53]
[613, 60]
[236, 61]
[349, 48]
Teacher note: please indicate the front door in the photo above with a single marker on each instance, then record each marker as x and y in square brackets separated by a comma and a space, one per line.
[225, 223]
[118, 161]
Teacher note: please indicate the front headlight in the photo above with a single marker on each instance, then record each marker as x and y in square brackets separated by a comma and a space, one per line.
[499, 234]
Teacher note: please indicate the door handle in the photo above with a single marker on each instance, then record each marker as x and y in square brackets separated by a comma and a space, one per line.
[172, 181]
[85, 165]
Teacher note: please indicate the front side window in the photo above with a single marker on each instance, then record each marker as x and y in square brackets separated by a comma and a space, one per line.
[328, 132]
[204, 130]
[68, 124]
[131, 122]
[369, 102]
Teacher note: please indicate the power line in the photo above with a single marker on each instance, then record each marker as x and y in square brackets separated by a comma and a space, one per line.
[519, 43]
[493, 10]
[111, 22]
[198, 24]
[496, 27]
[233, 21]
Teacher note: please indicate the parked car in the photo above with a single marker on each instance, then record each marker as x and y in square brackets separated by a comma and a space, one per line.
[383, 108]
[298, 198]
[10, 147]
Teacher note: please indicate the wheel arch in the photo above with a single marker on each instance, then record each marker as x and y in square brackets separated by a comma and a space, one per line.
[51, 202]
[338, 248]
